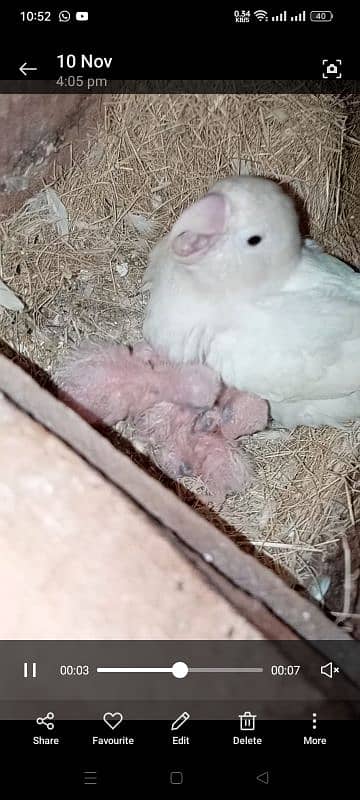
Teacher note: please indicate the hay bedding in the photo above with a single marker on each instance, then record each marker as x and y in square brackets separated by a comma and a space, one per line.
[77, 253]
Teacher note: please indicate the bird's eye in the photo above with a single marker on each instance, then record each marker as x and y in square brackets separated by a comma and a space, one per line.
[254, 240]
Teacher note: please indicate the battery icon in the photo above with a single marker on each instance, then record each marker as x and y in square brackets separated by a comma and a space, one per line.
[321, 16]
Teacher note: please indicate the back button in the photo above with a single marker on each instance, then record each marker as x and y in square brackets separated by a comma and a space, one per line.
[264, 777]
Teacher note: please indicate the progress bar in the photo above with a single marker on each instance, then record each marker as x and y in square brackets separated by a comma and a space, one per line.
[179, 669]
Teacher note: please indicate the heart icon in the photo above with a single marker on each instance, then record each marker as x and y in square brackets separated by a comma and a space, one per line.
[113, 720]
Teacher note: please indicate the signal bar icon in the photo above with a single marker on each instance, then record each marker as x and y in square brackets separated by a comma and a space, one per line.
[282, 17]
[301, 17]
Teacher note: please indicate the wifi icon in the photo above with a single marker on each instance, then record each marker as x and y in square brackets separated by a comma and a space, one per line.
[261, 15]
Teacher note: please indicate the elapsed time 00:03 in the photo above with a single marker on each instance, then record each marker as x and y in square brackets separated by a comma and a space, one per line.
[70, 670]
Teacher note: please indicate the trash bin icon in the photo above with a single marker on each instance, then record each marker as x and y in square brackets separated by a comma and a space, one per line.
[247, 721]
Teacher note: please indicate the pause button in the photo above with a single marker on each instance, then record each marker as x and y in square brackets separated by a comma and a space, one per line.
[30, 669]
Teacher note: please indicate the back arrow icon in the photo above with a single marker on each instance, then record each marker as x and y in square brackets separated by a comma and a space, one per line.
[25, 69]
[263, 778]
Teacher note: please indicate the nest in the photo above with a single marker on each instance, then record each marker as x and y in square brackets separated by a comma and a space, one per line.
[76, 253]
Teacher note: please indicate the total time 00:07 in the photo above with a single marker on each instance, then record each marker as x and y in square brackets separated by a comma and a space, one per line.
[281, 670]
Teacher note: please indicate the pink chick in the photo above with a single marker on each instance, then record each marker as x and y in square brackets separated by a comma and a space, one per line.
[235, 414]
[110, 382]
[181, 450]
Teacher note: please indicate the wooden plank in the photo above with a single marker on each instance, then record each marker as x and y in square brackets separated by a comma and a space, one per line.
[79, 560]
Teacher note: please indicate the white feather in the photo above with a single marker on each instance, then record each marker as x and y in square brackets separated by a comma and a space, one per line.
[8, 299]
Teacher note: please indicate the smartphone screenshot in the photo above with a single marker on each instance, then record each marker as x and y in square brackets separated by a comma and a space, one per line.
[179, 398]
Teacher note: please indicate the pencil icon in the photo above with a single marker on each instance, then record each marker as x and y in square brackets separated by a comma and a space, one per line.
[180, 721]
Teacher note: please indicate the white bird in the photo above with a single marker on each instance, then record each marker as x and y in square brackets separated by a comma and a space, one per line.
[233, 285]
